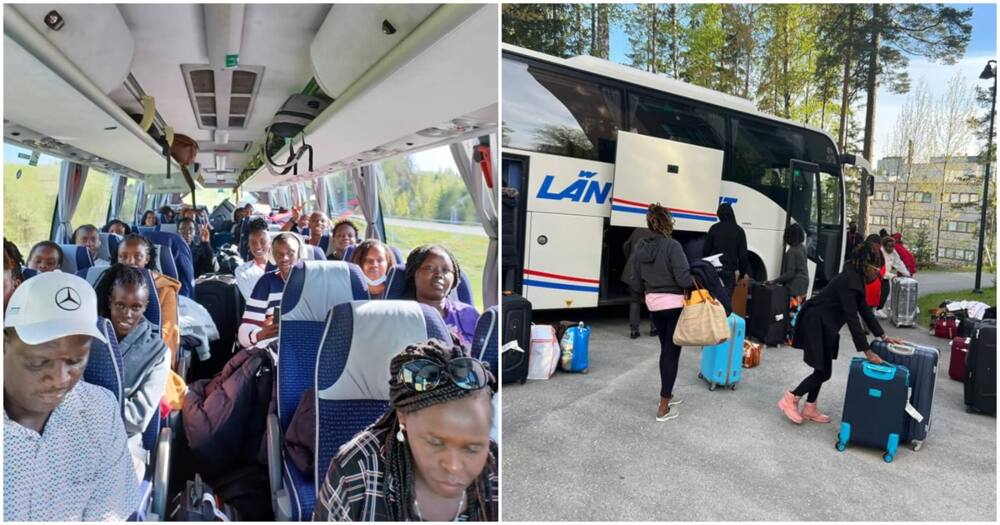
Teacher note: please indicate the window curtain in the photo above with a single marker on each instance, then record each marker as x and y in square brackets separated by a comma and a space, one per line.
[72, 177]
[365, 181]
[319, 189]
[484, 199]
[117, 197]
[140, 203]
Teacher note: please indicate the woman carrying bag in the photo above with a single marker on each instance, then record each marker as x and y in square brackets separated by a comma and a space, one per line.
[660, 271]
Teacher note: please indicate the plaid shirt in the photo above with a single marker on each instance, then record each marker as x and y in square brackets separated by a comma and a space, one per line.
[355, 487]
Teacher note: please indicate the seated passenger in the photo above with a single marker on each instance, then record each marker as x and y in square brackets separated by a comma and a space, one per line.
[432, 272]
[430, 457]
[88, 235]
[259, 244]
[298, 222]
[118, 227]
[122, 297]
[202, 254]
[375, 259]
[12, 264]
[258, 324]
[64, 449]
[45, 256]
[345, 235]
[318, 234]
[168, 214]
[138, 252]
[238, 215]
[149, 218]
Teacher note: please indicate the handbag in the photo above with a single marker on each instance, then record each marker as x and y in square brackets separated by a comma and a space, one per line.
[702, 322]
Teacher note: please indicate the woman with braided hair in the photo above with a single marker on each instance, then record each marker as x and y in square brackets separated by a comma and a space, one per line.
[13, 262]
[430, 457]
[122, 297]
[817, 330]
[660, 271]
[432, 273]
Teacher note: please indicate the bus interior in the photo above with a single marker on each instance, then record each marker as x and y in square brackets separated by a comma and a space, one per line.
[385, 114]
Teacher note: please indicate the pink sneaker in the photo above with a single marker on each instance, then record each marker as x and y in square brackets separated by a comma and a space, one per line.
[789, 404]
[811, 412]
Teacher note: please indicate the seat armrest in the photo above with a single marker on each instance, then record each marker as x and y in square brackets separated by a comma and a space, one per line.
[274, 453]
[161, 474]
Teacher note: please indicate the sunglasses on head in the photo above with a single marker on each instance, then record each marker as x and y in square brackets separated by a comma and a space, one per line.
[423, 375]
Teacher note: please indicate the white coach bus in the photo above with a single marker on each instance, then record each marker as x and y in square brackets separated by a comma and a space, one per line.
[589, 144]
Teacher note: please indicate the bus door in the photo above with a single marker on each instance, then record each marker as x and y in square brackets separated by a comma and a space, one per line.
[567, 202]
[802, 206]
[683, 177]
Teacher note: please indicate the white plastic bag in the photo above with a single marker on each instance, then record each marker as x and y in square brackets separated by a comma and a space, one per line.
[544, 352]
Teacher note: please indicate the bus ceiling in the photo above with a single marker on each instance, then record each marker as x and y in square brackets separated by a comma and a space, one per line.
[397, 106]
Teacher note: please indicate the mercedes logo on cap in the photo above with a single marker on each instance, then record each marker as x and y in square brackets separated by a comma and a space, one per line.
[68, 299]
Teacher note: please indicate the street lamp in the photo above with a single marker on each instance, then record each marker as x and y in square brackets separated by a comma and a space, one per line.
[988, 72]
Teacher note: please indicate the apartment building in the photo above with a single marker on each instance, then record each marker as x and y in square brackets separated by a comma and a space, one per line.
[923, 198]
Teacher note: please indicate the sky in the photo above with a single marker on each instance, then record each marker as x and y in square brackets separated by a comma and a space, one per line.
[982, 47]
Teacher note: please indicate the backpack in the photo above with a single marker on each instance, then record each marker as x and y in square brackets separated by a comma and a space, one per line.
[225, 418]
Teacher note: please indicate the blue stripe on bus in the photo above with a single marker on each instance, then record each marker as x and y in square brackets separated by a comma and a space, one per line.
[676, 215]
[560, 286]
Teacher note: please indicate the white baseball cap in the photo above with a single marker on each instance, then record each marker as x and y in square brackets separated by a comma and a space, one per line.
[53, 305]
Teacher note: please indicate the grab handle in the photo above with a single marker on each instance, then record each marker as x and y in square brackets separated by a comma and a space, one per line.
[902, 349]
[883, 372]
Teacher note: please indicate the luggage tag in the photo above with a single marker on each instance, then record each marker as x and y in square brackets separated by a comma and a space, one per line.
[511, 345]
[910, 409]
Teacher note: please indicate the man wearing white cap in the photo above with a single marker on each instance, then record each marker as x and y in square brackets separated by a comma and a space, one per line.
[65, 453]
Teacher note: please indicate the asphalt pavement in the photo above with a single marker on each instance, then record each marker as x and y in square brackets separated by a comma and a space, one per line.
[588, 447]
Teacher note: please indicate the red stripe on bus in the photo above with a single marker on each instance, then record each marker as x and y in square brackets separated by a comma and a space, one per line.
[634, 203]
[566, 277]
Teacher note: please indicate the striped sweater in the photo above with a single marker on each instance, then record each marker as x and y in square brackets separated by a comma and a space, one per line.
[265, 297]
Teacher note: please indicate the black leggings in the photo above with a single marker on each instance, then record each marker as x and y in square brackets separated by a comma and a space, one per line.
[810, 386]
[884, 294]
[665, 322]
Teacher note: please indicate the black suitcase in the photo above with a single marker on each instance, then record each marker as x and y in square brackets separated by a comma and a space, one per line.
[516, 327]
[967, 327]
[981, 370]
[220, 295]
[768, 314]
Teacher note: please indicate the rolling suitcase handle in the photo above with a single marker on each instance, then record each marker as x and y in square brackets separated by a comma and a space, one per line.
[881, 372]
[902, 349]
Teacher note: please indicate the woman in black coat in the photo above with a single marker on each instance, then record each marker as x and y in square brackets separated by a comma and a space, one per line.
[818, 326]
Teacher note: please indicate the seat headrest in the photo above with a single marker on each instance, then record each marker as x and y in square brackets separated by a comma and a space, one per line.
[109, 247]
[168, 227]
[75, 258]
[370, 333]
[486, 338]
[104, 366]
[313, 287]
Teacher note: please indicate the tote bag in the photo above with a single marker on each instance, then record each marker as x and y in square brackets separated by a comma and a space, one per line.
[702, 321]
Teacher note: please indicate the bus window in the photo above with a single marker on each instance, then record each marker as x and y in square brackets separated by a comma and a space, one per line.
[94, 200]
[830, 203]
[425, 201]
[29, 197]
[342, 201]
[580, 118]
[761, 156]
[671, 119]
[126, 212]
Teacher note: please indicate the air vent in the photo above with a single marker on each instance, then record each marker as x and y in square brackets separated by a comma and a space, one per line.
[233, 146]
[222, 99]
[206, 104]
[203, 81]
[243, 82]
[239, 105]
